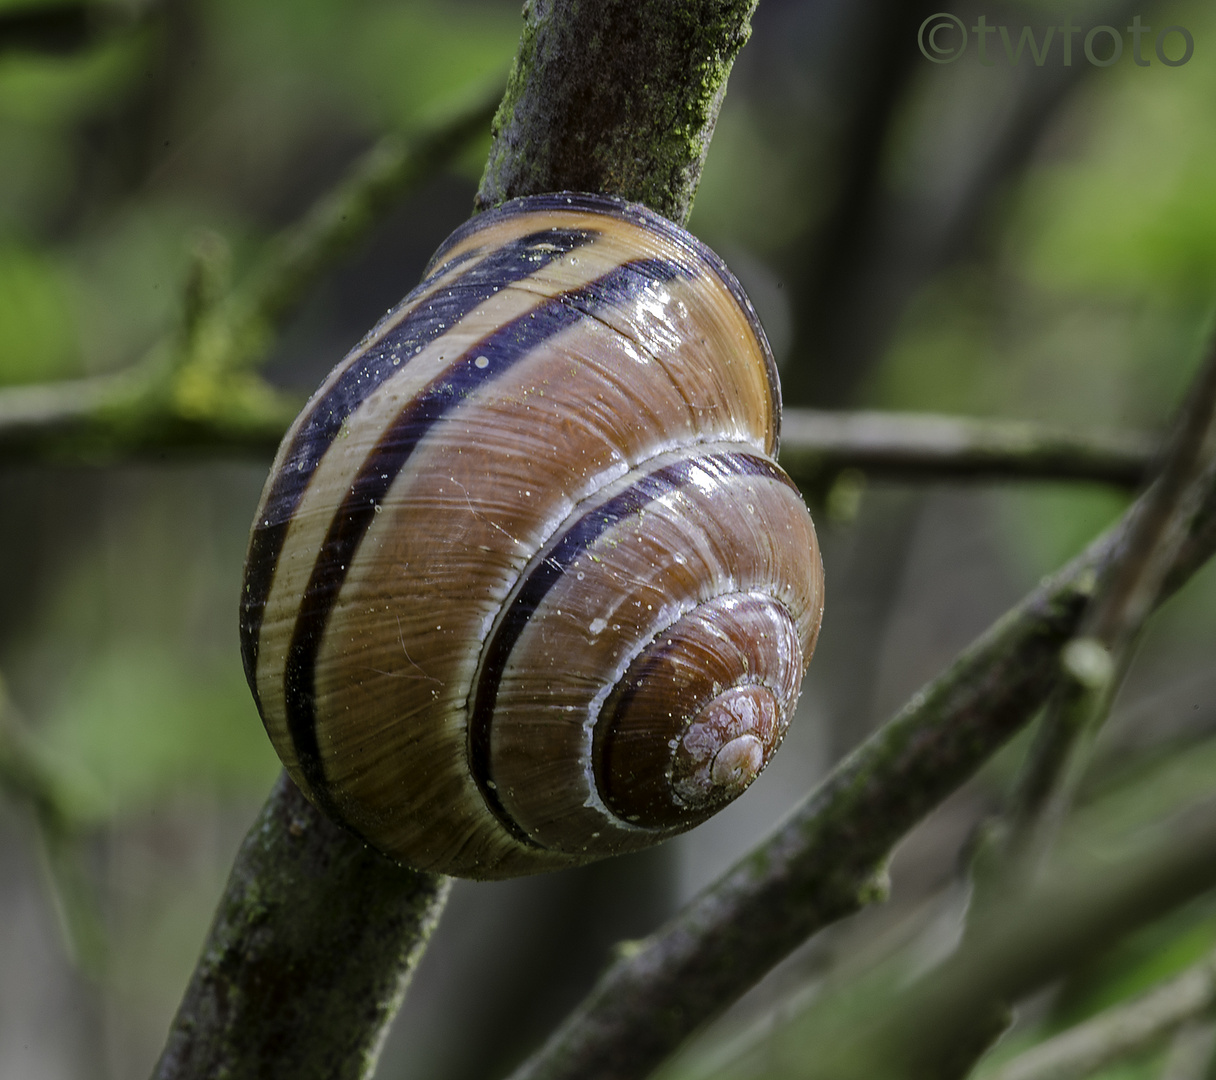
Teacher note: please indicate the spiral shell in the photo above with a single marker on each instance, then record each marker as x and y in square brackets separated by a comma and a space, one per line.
[525, 587]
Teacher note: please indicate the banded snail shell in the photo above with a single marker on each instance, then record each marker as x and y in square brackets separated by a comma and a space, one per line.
[525, 588]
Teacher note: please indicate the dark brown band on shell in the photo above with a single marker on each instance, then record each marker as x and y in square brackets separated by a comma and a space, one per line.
[376, 363]
[637, 704]
[486, 360]
[647, 219]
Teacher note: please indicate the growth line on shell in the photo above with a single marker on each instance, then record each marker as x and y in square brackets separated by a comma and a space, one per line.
[508, 345]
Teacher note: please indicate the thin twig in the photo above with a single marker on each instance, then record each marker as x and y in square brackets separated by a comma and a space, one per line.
[1118, 1032]
[1125, 595]
[1042, 931]
[195, 389]
[817, 445]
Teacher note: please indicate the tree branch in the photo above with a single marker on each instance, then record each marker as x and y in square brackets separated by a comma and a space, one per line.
[308, 958]
[1123, 600]
[615, 97]
[194, 390]
[817, 445]
[927, 1031]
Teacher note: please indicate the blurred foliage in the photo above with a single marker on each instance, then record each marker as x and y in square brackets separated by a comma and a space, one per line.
[38, 342]
[1083, 296]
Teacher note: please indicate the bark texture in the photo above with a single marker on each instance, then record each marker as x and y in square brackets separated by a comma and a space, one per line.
[616, 97]
[309, 955]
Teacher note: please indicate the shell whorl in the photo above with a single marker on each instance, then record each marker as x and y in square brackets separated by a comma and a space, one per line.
[525, 587]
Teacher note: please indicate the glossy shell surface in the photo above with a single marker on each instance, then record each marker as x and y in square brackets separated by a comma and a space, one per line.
[525, 587]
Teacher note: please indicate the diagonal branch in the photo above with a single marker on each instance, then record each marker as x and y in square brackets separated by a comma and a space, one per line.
[1123, 600]
[1038, 933]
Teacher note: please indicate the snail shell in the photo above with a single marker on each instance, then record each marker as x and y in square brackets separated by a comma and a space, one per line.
[525, 587]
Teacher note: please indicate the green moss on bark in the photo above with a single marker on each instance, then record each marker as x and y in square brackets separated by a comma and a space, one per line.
[615, 97]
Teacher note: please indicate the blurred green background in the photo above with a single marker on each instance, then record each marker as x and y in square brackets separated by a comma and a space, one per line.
[1036, 242]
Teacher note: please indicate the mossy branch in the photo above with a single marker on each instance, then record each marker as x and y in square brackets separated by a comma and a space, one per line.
[309, 955]
[615, 97]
